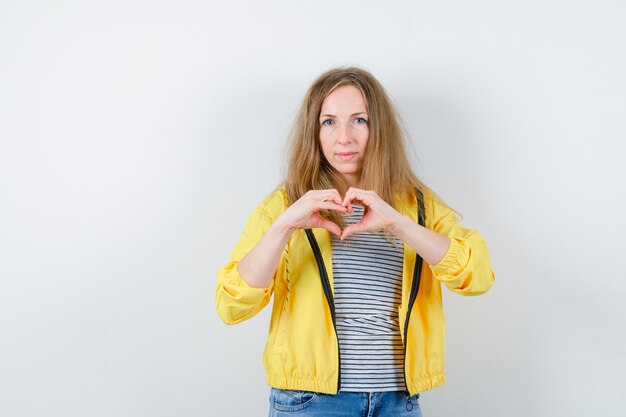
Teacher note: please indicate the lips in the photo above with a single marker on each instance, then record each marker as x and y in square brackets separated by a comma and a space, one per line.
[347, 156]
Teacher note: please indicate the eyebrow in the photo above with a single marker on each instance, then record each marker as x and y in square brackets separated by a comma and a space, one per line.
[353, 114]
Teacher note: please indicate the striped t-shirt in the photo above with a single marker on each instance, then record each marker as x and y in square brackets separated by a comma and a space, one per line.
[367, 271]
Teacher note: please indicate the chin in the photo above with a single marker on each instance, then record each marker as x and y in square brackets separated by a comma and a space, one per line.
[347, 171]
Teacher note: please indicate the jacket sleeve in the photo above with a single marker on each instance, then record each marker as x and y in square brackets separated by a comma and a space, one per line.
[465, 268]
[235, 299]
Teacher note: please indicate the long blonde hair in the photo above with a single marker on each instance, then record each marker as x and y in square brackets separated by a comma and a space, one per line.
[386, 168]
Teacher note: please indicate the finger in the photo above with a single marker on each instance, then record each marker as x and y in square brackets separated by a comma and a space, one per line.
[348, 206]
[328, 205]
[330, 195]
[353, 228]
[357, 194]
[330, 226]
[336, 196]
[346, 198]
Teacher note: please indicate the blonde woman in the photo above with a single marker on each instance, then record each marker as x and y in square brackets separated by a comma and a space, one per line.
[355, 249]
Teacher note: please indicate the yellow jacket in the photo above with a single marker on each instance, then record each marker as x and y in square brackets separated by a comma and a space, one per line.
[302, 351]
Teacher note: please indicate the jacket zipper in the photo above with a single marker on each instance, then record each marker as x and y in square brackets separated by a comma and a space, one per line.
[415, 284]
[414, 289]
[328, 293]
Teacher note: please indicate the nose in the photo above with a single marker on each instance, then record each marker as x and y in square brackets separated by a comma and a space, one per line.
[344, 134]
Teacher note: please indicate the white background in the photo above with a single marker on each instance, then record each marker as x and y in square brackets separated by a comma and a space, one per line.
[137, 136]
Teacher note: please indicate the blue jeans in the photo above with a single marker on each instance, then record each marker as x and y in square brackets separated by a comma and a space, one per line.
[285, 403]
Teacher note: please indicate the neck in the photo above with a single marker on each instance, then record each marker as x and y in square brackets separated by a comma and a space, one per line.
[353, 180]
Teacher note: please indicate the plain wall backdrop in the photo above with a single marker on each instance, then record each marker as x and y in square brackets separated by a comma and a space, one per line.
[137, 136]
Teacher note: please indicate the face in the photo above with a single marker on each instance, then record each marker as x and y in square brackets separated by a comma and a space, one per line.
[344, 131]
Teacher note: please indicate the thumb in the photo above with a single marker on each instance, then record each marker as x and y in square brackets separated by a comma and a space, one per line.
[353, 228]
[330, 226]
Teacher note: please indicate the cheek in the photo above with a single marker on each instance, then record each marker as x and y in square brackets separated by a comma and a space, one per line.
[326, 144]
[364, 139]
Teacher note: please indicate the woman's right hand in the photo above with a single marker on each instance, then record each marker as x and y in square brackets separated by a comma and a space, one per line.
[258, 266]
[305, 213]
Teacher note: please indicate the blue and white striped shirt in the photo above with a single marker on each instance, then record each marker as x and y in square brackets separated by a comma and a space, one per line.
[367, 271]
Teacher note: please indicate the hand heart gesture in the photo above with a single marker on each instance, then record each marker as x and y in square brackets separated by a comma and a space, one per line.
[377, 214]
[305, 213]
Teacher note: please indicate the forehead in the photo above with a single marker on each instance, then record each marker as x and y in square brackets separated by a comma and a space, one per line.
[344, 99]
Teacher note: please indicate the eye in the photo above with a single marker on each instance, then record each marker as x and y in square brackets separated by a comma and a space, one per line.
[360, 121]
[327, 122]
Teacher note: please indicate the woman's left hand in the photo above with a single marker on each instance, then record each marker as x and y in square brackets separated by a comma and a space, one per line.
[377, 214]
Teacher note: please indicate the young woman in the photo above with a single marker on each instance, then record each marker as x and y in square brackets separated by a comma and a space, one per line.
[355, 249]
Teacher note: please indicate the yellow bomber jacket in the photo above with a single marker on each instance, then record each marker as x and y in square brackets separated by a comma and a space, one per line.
[302, 351]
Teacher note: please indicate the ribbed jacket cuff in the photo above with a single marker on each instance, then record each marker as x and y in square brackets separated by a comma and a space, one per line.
[453, 261]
